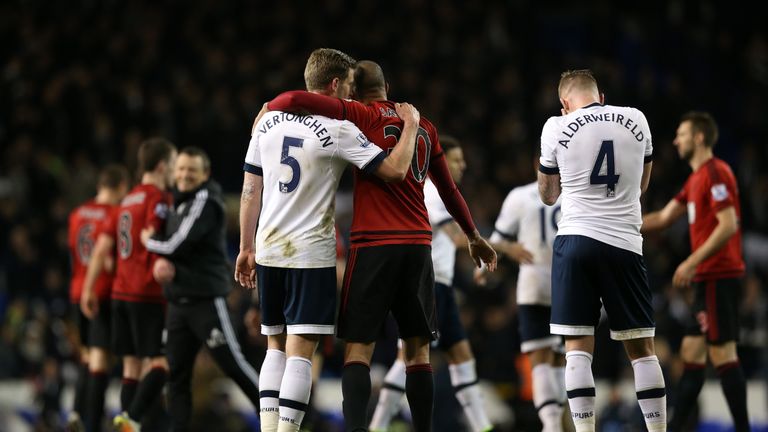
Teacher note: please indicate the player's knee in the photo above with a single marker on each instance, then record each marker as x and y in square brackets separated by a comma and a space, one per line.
[460, 352]
[694, 350]
[639, 348]
[723, 353]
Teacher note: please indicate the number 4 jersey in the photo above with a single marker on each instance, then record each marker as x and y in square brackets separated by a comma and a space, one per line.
[301, 159]
[599, 152]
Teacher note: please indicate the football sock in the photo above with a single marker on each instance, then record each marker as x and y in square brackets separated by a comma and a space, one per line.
[651, 392]
[270, 378]
[356, 390]
[127, 393]
[294, 393]
[546, 397]
[735, 390]
[81, 389]
[688, 389]
[465, 385]
[419, 389]
[389, 397]
[580, 388]
[146, 393]
[559, 376]
[97, 387]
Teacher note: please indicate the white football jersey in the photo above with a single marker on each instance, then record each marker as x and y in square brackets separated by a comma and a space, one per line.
[301, 159]
[599, 151]
[443, 248]
[534, 225]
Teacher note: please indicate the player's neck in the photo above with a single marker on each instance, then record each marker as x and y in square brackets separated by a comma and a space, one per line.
[153, 178]
[373, 96]
[700, 158]
[105, 196]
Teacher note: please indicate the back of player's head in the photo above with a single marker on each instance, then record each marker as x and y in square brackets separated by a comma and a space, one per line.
[112, 176]
[198, 152]
[702, 122]
[369, 77]
[152, 152]
[581, 80]
[448, 143]
[324, 65]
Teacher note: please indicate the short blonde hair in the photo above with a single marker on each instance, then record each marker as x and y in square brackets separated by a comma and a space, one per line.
[324, 65]
[582, 79]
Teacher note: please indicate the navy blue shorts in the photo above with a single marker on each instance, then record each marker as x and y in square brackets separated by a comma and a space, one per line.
[302, 299]
[586, 272]
[448, 321]
[534, 328]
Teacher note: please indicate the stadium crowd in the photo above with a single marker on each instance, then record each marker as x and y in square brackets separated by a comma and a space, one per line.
[82, 84]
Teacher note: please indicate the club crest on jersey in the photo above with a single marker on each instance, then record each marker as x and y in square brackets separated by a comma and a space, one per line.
[719, 192]
[161, 210]
[387, 112]
[363, 140]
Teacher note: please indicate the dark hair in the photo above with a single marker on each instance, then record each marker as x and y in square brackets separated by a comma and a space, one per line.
[703, 122]
[112, 176]
[152, 152]
[195, 152]
[325, 64]
[449, 143]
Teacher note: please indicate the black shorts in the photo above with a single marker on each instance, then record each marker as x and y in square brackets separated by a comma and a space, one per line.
[301, 299]
[448, 321]
[587, 273]
[715, 311]
[380, 279]
[138, 329]
[534, 328]
[94, 333]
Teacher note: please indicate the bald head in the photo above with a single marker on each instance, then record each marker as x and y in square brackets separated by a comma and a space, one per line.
[369, 80]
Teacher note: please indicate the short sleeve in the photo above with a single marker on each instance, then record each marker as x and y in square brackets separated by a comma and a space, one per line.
[355, 148]
[647, 140]
[361, 115]
[682, 196]
[548, 159]
[508, 223]
[438, 214]
[722, 188]
[108, 225]
[157, 211]
[253, 156]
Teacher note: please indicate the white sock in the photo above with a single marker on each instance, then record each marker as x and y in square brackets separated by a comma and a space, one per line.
[580, 387]
[651, 393]
[389, 397]
[294, 393]
[464, 381]
[559, 373]
[546, 398]
[269, 389]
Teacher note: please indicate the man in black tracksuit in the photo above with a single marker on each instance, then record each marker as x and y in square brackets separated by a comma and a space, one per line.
[195, 274]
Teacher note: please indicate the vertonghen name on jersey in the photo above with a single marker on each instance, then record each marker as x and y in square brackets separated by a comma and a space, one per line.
[585, 119]
[312, 123]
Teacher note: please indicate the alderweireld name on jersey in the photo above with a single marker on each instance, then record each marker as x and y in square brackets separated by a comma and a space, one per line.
[585, 119]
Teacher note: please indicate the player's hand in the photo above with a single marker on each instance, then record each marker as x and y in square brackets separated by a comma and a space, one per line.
[684, 274]
[408, 112]
[89, 304]
[163, 271]
[245, 269]
[146, 234]
[480, 276]
[519, 253]
[481, 251]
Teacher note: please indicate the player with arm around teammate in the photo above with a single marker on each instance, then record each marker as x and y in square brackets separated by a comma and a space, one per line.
[598, 157]
[710, 197]
[297, 161]
[453, 339]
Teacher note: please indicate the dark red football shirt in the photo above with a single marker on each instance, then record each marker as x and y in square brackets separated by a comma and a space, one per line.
[708, 190]
[388, 213]
[85, 223]
[144, 207]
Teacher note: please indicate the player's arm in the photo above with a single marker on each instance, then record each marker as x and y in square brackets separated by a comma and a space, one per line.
[549, 187]
[727, 226]
[250, 208]
[88, 302]
[201, 219]
[395, 166]
[661, 219]
[304, 102]
[479, 249]
[646, 177]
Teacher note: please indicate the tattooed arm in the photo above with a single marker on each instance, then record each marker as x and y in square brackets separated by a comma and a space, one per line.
[250, 208]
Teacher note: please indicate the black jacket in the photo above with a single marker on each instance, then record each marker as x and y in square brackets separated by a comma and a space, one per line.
[195, 242]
